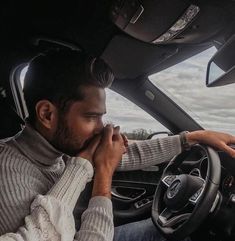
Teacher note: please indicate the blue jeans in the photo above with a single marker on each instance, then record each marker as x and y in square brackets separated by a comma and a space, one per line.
[139, 231]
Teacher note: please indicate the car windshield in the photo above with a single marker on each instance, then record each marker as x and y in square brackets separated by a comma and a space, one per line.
[212, 108]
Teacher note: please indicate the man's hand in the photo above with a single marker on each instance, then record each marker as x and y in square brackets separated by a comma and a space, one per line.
[214, 139]
[107, 156]
[89, 151]
[110, 150]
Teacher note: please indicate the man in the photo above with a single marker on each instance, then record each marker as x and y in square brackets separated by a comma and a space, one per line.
[45, 167]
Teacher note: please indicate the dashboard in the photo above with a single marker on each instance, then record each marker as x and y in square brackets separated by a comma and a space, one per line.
[227, 184]
[196, 164]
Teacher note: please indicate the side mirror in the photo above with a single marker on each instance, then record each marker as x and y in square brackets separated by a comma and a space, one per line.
[221, 67]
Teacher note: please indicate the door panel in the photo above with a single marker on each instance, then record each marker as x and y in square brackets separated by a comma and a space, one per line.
[133, 193]
[134, 209]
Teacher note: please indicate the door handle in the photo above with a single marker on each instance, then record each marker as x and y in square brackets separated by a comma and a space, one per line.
[127, 193]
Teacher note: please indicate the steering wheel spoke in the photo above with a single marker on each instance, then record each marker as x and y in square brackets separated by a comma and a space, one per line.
[168, 219]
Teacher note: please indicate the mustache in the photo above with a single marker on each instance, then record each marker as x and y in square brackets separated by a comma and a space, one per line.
[87, 142]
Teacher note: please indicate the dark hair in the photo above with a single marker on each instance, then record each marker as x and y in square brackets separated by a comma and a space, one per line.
[58, 77]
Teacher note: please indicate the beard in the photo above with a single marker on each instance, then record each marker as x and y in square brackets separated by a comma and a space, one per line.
[65, 140]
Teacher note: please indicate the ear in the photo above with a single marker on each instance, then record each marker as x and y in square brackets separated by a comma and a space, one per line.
[46, 113]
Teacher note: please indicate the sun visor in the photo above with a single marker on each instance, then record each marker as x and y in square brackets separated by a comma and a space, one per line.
[151, 21]
[130, 58]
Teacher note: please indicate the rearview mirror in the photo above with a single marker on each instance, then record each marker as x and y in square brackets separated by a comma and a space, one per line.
[221, 67]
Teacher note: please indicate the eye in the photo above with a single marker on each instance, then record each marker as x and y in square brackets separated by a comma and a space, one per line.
[92, 117]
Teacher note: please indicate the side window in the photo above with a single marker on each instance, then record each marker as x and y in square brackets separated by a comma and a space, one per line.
[134, 121]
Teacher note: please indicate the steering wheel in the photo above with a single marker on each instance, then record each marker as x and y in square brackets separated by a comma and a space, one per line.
[182, 202]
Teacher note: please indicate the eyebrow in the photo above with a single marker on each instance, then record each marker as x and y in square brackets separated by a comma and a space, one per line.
[95, 113]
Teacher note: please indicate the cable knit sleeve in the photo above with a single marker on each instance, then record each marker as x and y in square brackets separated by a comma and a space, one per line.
[97, 221]
[49, 220]
[51, 217]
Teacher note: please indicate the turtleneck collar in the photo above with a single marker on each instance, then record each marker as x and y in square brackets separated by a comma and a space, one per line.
[36, 147]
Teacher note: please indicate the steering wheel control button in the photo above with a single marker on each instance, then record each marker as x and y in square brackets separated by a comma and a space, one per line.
[196, 196]
[167, 180]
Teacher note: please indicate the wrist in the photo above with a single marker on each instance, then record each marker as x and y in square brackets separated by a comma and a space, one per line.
[187, 140]
[104, 168]
[194, 137]
[102, 185]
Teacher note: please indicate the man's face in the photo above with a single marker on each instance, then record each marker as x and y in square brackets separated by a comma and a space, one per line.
[81, 122]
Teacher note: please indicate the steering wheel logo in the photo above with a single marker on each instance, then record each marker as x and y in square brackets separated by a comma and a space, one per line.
[173, 189]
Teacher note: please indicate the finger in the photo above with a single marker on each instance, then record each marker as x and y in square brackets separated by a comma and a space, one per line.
[94, 143]
[125, 140]
[116, 134]
[109, 124]
[89, 148]
[116, 130]
[107, 134]
[230, 151]
[232, 140]
[124, 150]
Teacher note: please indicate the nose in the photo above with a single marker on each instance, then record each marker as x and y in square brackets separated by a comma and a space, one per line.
[99, 127]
